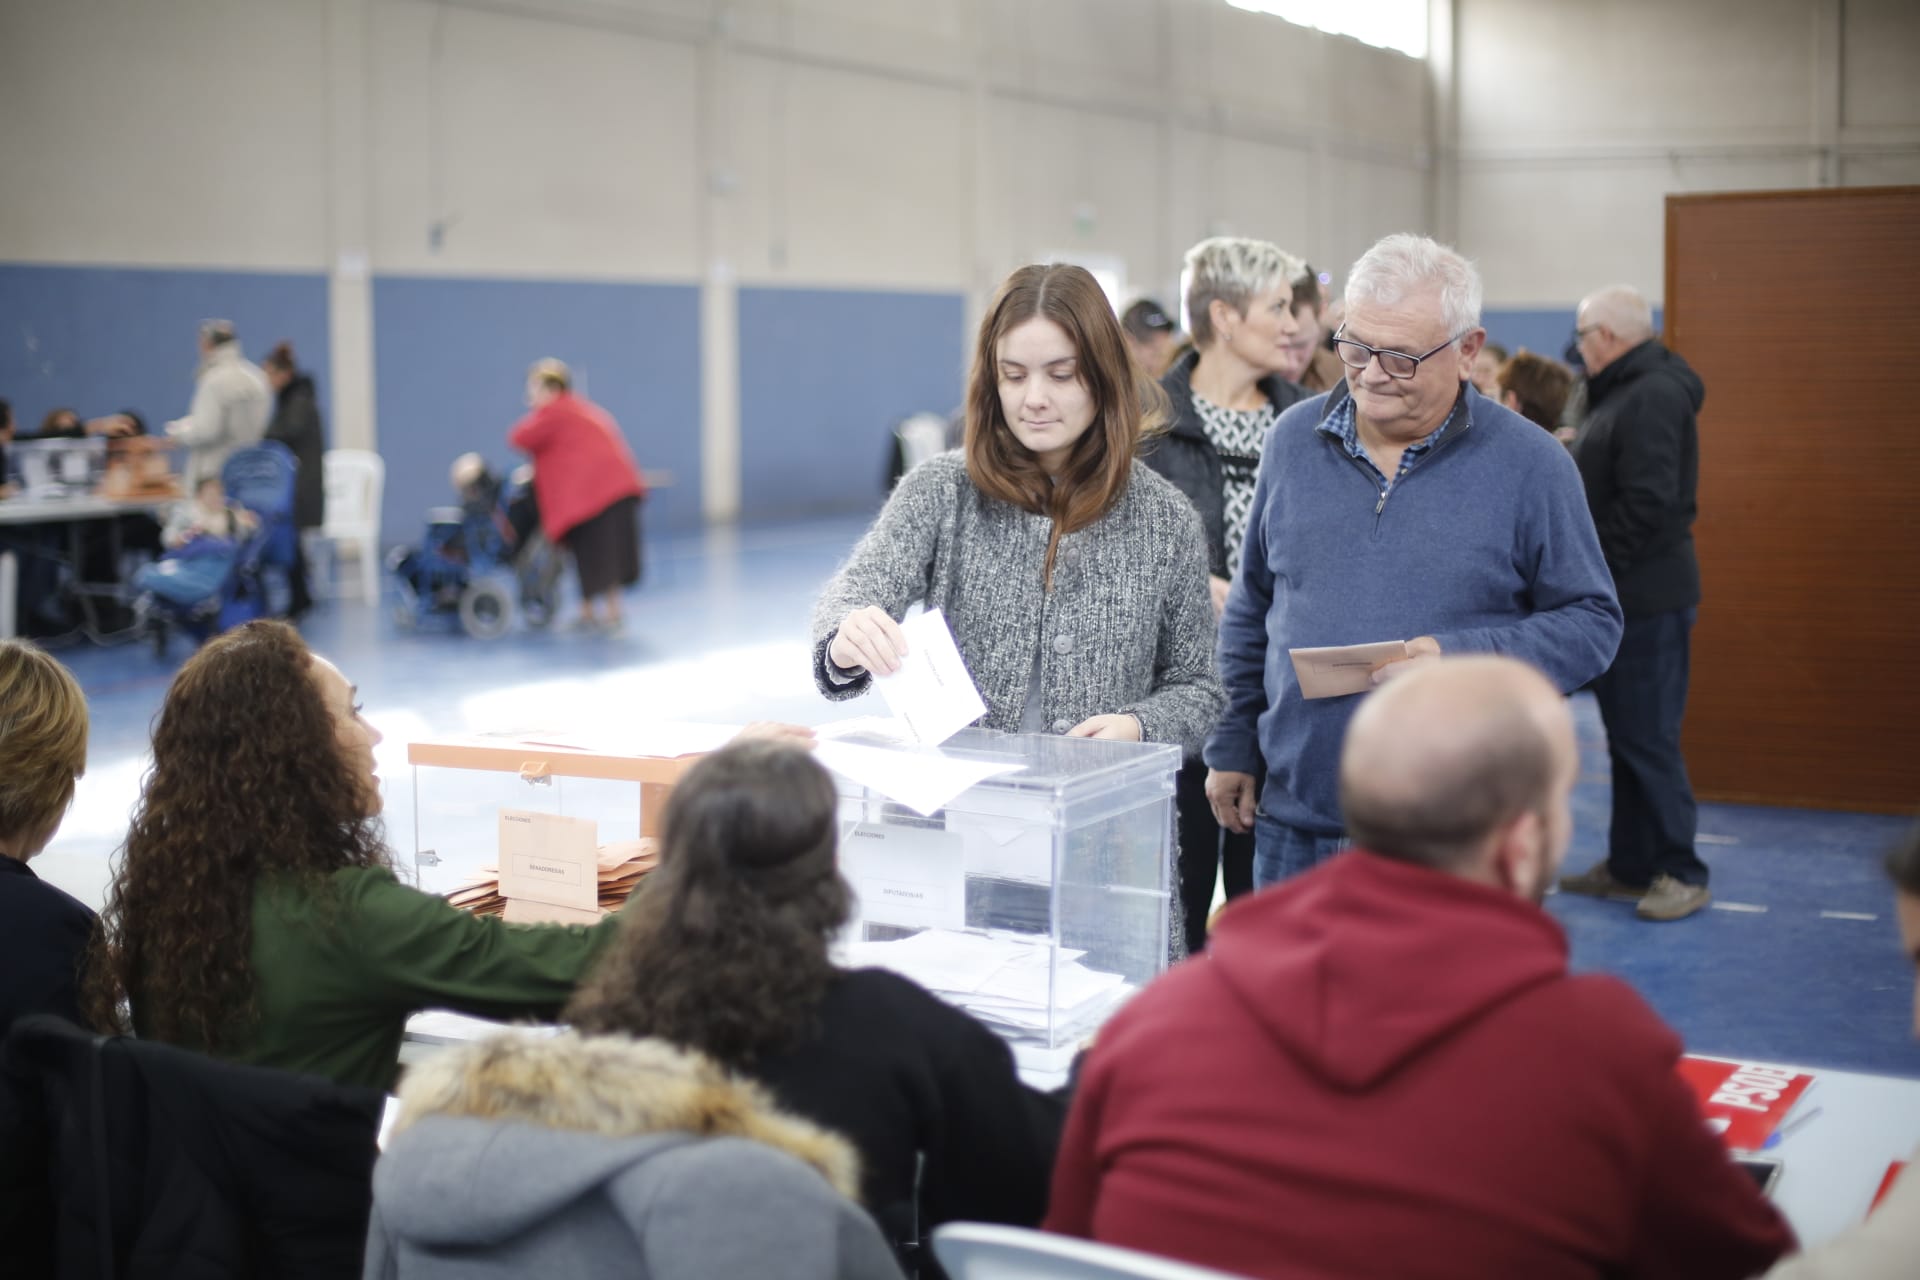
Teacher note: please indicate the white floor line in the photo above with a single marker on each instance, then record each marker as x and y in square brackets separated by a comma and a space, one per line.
[1848, 915]
[1707, 839]
[1750, 908]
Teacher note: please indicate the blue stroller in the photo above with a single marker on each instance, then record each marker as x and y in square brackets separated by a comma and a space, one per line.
[211, 583]
[471, 552]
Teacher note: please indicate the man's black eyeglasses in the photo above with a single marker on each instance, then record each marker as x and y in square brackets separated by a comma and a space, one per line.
[1395, 364]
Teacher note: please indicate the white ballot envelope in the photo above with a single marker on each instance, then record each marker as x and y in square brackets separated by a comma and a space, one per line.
[932, 692]
[1339, 670]
[549, 859]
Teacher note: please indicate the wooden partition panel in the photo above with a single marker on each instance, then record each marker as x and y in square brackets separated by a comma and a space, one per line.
[1801, 312]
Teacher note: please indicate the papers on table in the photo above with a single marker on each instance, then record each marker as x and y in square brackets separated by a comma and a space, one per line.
[1010, 983]
[617, 871]
[1339, 670]
[932, 693]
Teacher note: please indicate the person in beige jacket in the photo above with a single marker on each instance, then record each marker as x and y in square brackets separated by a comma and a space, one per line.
[1887, 1245]
[232, 405]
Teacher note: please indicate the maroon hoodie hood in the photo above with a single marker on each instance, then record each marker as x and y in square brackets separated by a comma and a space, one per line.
[1365, 962]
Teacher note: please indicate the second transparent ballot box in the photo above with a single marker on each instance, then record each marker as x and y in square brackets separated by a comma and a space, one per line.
[1037, 900]
[469, 792]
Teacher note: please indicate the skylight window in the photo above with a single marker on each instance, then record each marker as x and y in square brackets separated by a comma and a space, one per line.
[1388, 24]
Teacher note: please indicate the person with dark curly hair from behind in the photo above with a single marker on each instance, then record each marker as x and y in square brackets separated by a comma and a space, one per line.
[725, 950]
[43, 752]
[255, 914]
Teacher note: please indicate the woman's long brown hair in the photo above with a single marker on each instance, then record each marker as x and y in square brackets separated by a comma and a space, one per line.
[248, 780]
[724, 948]
[1127, 404]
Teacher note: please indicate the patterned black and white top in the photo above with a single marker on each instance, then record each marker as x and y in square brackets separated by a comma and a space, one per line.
[1236, 435]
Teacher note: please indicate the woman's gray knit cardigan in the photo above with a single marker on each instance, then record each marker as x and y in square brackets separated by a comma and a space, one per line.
[1128, 627]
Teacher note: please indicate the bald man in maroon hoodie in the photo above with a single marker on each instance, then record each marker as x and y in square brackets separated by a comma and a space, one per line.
[1383, 1069]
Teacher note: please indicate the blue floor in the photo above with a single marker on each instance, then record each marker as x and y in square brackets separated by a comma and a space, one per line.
[718, 631]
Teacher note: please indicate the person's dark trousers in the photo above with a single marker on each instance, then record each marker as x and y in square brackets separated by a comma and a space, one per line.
[299, 599]
[1643, 697]
[1205, 849]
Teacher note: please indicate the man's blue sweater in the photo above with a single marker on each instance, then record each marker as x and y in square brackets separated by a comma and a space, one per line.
[1485, 544]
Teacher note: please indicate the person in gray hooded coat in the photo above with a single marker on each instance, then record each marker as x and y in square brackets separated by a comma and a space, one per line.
[535, 1155]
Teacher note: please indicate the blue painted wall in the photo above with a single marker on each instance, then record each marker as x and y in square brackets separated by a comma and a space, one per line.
[824, 376]
[450, 361]
[102, 339]
[1544, 331]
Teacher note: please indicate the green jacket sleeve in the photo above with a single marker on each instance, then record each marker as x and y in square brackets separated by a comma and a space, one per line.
[415, 951]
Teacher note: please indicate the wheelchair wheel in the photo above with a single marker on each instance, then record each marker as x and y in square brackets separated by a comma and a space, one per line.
[485, 610]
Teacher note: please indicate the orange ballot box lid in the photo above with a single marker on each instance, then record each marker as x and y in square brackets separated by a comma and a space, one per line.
[656, 753]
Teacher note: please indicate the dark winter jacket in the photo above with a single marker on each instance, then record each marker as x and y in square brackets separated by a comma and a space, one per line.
[204, 1170]
[1378, 1070]
[907, 1077]
[1639, 455]
[296, 424]
[43, 938]
[1185, 456]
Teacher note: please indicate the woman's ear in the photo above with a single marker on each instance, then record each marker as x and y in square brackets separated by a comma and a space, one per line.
[1225, 319]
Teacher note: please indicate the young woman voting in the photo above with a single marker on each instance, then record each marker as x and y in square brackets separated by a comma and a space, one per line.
[1074, 578]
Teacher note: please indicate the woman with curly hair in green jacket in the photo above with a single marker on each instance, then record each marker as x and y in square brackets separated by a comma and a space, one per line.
[255, 914]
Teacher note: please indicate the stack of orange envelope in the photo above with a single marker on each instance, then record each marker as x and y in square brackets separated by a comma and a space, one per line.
[622, 865]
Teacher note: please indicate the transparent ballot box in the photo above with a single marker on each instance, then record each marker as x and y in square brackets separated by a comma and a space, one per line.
[1037, 900]
[536, 813]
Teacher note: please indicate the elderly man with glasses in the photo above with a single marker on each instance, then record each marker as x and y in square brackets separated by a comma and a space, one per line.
[1404, 512]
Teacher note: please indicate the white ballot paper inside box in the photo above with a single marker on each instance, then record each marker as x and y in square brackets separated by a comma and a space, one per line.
[909, 877]
[551, 859]
[932, 692]
[1339, 670]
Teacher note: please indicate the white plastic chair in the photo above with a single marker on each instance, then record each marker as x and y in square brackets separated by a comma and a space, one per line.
[977, 1251]
[355, 481]
[922, 436]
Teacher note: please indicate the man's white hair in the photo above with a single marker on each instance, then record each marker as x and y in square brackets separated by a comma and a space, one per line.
[1402, 266]
[1621, 309]
[1233, 269]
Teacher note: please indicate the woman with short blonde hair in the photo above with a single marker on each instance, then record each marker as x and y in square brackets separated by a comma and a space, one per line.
[1226, 394]
[43, 751]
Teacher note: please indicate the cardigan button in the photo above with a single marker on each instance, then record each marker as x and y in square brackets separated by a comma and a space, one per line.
[1071, 555]
[1063, 645]
[1061, 726]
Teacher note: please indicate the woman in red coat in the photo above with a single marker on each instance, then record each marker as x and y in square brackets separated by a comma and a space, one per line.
[587, 485]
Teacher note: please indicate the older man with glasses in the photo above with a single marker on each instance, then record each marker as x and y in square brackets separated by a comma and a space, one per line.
[1401, 511]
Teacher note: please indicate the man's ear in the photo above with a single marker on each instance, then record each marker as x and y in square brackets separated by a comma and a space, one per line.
[1516, 854]
[1469, 348]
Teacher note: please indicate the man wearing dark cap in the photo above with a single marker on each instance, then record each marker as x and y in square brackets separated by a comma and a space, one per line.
[1151, 335]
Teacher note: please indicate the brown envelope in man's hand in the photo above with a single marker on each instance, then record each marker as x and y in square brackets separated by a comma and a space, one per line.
[1339, 670]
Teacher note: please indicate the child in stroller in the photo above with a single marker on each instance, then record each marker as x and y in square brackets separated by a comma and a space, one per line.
[208, 545]
[495, 530]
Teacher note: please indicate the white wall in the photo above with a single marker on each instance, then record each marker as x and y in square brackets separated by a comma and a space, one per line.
[827, 142]
[839, 143]
[1574, 120]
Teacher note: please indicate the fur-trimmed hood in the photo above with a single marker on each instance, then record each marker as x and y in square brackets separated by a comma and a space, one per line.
[498, 1134]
